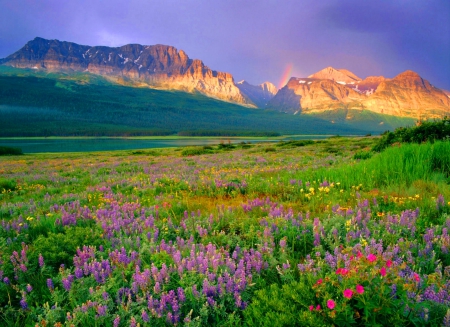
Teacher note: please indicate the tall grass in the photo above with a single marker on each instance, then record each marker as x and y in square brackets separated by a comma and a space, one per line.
[399, 166]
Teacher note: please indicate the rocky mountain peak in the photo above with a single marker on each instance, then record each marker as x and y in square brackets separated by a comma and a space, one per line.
[337, 75]
[408, 74]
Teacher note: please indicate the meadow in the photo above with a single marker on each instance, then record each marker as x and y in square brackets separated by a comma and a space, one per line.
[298, 233]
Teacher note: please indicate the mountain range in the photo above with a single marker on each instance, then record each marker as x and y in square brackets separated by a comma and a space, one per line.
[165, 67]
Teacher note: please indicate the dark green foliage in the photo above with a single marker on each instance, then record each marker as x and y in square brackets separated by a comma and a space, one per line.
[7, 184]
[292, 144]
[428, 131]
[362, 155]
[226, 146]
[195, 151]
[6, 150]
[59, 248]
[288, 305]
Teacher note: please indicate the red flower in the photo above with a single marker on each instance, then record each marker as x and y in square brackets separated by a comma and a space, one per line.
[389, 263]
[371, 257]
[383, 271]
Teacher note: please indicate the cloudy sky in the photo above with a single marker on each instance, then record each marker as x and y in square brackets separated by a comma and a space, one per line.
[255, 40]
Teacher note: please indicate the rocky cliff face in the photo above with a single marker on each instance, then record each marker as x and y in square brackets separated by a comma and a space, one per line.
[258, 94]
[158, 66]
[312, 95]
[406, 95]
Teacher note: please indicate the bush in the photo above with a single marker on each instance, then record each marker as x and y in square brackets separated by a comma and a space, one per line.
[363, 155]
[428, 131]
[291, 144]
[195, 151]
[8, 151]
[7, 184]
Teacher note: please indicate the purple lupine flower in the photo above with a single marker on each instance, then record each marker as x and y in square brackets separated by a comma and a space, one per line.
[440, 202]
[145, 316]
[6, 280]
[283, 243]
[180, 294]
[41, 260]
[393, 290]
[101, 310]
[29, 288]
[78, 272]
[23, 304]
[116, 321]
[446, 321]
[67, 284]
[50, 284]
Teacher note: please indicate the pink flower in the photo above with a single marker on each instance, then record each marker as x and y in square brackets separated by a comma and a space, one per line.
[311, 308]
[383, 271]
[359, 289]
[416, 277]
[331, 304]
[348, 293]
[371, 257]
[318, 307]
[389, 263]
[319, 281]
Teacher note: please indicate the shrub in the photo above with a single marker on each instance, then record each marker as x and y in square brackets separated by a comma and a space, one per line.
[428, 131]
[194, 151]
[362, 155]
[7, 184]
[8, 151]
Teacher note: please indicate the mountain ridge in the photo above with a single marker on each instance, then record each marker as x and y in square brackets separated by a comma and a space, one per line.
[157, 66]
[167, 68]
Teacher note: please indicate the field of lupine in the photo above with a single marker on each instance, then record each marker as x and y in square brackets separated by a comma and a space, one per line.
[299, 233]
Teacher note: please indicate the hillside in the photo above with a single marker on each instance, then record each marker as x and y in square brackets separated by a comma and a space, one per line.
[85, 104]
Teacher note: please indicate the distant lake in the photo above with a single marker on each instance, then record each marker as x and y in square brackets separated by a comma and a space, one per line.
[39, 145]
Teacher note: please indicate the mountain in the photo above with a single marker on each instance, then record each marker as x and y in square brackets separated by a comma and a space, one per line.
[258, 94]
[410, 95]
[156, 66]
[337, 75]
[308, 95]
[406, 95]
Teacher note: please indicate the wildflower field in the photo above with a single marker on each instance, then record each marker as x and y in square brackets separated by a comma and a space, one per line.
[299, 233]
